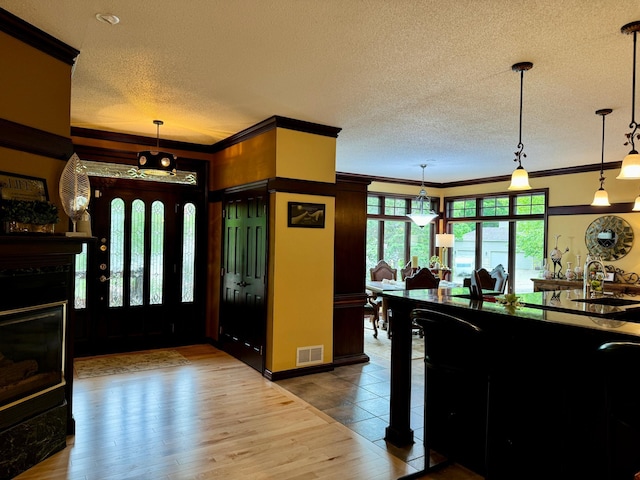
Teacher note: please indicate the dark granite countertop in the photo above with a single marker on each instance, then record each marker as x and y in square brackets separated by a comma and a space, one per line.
[552, 306]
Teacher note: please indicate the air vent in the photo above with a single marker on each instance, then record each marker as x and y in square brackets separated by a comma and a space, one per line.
[310, 355]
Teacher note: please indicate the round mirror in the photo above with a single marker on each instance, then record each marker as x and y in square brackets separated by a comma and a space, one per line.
[609, 237]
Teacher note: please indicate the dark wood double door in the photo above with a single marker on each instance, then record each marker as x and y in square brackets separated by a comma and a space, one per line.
[144, 286]
[243, 315]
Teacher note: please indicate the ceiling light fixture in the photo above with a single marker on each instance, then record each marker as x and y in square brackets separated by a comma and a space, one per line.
[157, 163]
[421, 219]
[520, 177]
[630, 169]
[601, 197]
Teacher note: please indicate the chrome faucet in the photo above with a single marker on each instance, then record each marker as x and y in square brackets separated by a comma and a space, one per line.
[586, 277]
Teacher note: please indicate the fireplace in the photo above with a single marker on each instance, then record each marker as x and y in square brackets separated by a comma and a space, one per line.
[36, 349]
[31, 361]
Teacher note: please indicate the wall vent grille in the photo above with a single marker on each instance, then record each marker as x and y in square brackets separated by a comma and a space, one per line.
[309, 355]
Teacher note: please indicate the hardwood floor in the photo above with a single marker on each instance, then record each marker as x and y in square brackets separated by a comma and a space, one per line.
[213, 418]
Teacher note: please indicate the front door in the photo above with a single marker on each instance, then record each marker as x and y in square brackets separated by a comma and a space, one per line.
[244, 263]
[143, 266]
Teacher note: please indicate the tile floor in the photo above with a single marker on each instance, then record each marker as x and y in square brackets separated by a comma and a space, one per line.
[358, 396]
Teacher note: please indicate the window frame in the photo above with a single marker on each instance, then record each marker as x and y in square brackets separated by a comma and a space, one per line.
[512, 217]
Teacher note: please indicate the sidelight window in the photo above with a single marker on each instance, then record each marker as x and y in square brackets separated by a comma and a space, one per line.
[156, 267]
[188, 252]
[116, 253]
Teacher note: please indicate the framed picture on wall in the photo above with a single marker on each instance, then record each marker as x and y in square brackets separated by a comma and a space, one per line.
[22, 187]
[306, 215]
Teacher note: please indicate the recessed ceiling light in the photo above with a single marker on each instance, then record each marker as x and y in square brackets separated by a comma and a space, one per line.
[107, 18]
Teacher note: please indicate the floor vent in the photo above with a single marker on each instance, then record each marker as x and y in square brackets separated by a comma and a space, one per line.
[309, 355]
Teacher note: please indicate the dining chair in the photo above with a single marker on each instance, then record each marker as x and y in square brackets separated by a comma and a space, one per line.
[500, 278]
[383, 271]
[423, 278]
[406, 271]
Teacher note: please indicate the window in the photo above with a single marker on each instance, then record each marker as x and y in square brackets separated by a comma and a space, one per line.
[156, 265]
[116, 253]
[507, 229]
[392, 236]
[188, 252]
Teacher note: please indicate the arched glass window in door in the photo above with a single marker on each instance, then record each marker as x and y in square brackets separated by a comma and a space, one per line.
[116, 253]
[136, 274]
[188, 252]
[156, 267]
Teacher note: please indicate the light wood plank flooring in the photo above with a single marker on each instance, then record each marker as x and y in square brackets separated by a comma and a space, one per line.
[214, 418]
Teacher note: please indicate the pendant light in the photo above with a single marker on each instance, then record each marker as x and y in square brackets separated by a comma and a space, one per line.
[157, 163]
[631, 164]
[520, 177]
[601, 197]
[423, 218]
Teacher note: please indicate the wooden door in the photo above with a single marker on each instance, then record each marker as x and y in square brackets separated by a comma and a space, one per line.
[143, 272]
[244, 270]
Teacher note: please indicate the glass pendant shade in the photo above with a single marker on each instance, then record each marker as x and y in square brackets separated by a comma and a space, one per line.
[601, 198]
[636, 205]
[630, 169]
[422, 219]
[519, 179]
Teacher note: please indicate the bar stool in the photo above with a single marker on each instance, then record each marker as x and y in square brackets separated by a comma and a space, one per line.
[621, 364]
[457, 390]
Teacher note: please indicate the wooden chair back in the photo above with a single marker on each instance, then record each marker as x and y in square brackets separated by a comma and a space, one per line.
[407, 271]
[383, 271]
[423, 278]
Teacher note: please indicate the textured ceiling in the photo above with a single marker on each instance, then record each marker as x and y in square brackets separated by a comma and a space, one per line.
[409, 82]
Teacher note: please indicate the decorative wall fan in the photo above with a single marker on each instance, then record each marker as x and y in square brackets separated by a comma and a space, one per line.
[75, 192]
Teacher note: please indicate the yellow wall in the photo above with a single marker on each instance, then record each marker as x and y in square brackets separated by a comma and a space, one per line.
[35, 89]
[300, 312]
[305, 156]
[564, 190]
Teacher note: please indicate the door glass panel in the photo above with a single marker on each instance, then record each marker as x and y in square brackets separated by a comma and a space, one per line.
[529, 254]
[394, 243]
[464, 251]
[157, 253]
[495, 245]
[136, 274]
[116, 253]
[188, 252]
[80, 297]
[420, 244]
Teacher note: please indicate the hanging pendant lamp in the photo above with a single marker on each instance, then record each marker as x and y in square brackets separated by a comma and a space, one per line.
[157, 163]
[423, 218]
[601, 197]
[520, 177]
[630, 169]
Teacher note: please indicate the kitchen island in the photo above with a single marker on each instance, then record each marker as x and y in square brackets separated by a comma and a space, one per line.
[548, 396]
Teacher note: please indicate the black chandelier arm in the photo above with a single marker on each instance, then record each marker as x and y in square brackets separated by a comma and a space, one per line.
[631, 137]
[519, 154]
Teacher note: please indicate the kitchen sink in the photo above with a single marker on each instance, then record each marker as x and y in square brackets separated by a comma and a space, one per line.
[611, 301]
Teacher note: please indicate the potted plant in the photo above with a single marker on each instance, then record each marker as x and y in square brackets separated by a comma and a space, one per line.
[28, 216]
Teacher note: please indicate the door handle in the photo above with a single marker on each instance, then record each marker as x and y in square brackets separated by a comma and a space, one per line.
[103, 279]
[242, 284]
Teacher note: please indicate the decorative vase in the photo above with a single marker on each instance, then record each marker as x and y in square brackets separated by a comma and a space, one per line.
[569, 274]
[578, 269]
[548, 274]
